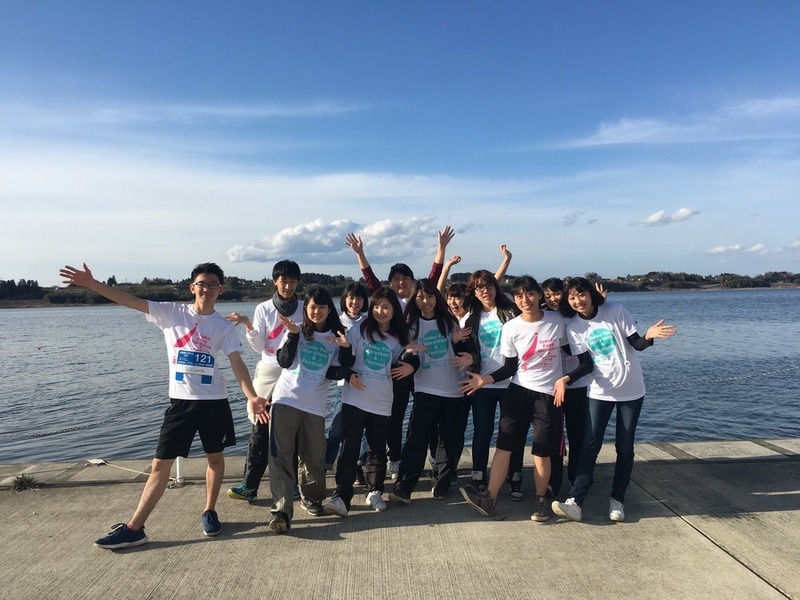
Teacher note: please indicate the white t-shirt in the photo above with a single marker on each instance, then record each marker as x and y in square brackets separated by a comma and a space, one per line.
[268, 333]
[350, 322]
[537, 346]
[374, 364]
[304, 385]
[617, 374]
[436, 374]
[489, 332]
[194, 343]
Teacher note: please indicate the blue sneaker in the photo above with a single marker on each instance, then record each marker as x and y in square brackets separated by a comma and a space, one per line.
[122, 536]
[242, 492]
[211, 524]
[296, 495]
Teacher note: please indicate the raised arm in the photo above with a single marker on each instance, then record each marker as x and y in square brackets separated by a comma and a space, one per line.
[501, 270]
[356, 245]
[84, 278]
[442, 284]
[442, 239]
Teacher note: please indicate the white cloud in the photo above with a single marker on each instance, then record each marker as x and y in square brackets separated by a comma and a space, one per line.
[758, 249]
[321, 242]
[795, 244]
[662, 218]
[751, 119]
[724, 249]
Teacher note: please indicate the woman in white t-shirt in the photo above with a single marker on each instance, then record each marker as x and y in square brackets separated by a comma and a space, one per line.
[445, 352]
[607, 333]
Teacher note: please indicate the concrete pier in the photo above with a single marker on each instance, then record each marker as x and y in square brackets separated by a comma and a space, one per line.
[704, 520]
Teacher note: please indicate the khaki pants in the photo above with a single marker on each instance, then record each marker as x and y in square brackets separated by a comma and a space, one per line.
[295, 430]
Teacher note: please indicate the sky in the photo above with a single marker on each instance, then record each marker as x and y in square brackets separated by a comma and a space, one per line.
[615, 137]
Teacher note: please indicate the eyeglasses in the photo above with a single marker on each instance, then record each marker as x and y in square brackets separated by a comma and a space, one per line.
[206, 286]
[483, 287]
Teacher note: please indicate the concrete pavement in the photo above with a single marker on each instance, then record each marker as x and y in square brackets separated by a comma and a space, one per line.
[710, 520]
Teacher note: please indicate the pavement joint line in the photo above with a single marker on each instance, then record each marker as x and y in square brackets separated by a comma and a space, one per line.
[776, 448]
[713, 541]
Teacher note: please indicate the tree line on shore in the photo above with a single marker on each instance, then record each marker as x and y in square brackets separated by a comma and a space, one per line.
[237, 289]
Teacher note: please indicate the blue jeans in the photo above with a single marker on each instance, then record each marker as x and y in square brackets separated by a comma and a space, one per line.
[484, 411]
[598, 414]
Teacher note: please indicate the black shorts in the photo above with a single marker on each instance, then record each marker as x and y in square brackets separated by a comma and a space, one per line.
[184, 418]
[519, 408]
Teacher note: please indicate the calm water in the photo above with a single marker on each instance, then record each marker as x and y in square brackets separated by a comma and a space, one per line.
[91, 382]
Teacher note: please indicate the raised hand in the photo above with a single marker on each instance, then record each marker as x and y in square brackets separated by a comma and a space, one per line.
[354, 243]
[340, 339]
[289, 324]
[73, 276]
[659, 330]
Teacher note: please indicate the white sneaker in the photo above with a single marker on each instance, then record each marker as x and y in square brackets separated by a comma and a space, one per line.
[335, 506]
[569, 509]
[616, 512]
[375, 500]
[394, 469]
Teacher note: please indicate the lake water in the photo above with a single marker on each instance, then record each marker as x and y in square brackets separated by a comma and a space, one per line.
[91, 382]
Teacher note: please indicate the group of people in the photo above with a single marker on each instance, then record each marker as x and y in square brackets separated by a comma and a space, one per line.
[558, 352]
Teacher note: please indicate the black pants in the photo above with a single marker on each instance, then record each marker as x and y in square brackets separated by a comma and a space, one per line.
[401, 392]
[447, 416]
[255, 464]
[354, 422]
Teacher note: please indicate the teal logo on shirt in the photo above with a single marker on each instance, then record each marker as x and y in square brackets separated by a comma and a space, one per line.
[489, 336]
[377, 355]
[435, 342]
[601, 342]
[314, 356]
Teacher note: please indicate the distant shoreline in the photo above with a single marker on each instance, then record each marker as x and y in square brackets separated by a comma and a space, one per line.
[711, 288]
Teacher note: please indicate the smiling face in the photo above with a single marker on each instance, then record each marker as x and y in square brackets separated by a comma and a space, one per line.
[528, 302]
[383, 312]
[486, 294]
[401, 284]
[317, 314]
[353, 305]
[426, 303]
[206, 288]
[286, 286]
[580, 302]
[456, 305]
[552, 298]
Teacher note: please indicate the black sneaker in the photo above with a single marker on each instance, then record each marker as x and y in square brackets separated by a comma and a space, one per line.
[515, 488]
[313, 508]
[439, 494]
[540, 512]
[480, 501]
[211, 524]
[122, 536]
[478, 484]
[279, 523]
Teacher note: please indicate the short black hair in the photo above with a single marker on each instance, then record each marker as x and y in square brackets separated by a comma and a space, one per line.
[581, 284]
[400, 269]
[211, 269]
[358, 291]
[525, 283]
[553, 284]
[286, 268]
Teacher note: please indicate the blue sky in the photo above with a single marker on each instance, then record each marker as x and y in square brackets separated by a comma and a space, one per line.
[613, 137]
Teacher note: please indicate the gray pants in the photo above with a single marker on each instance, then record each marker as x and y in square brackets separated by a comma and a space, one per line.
[290, 426]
